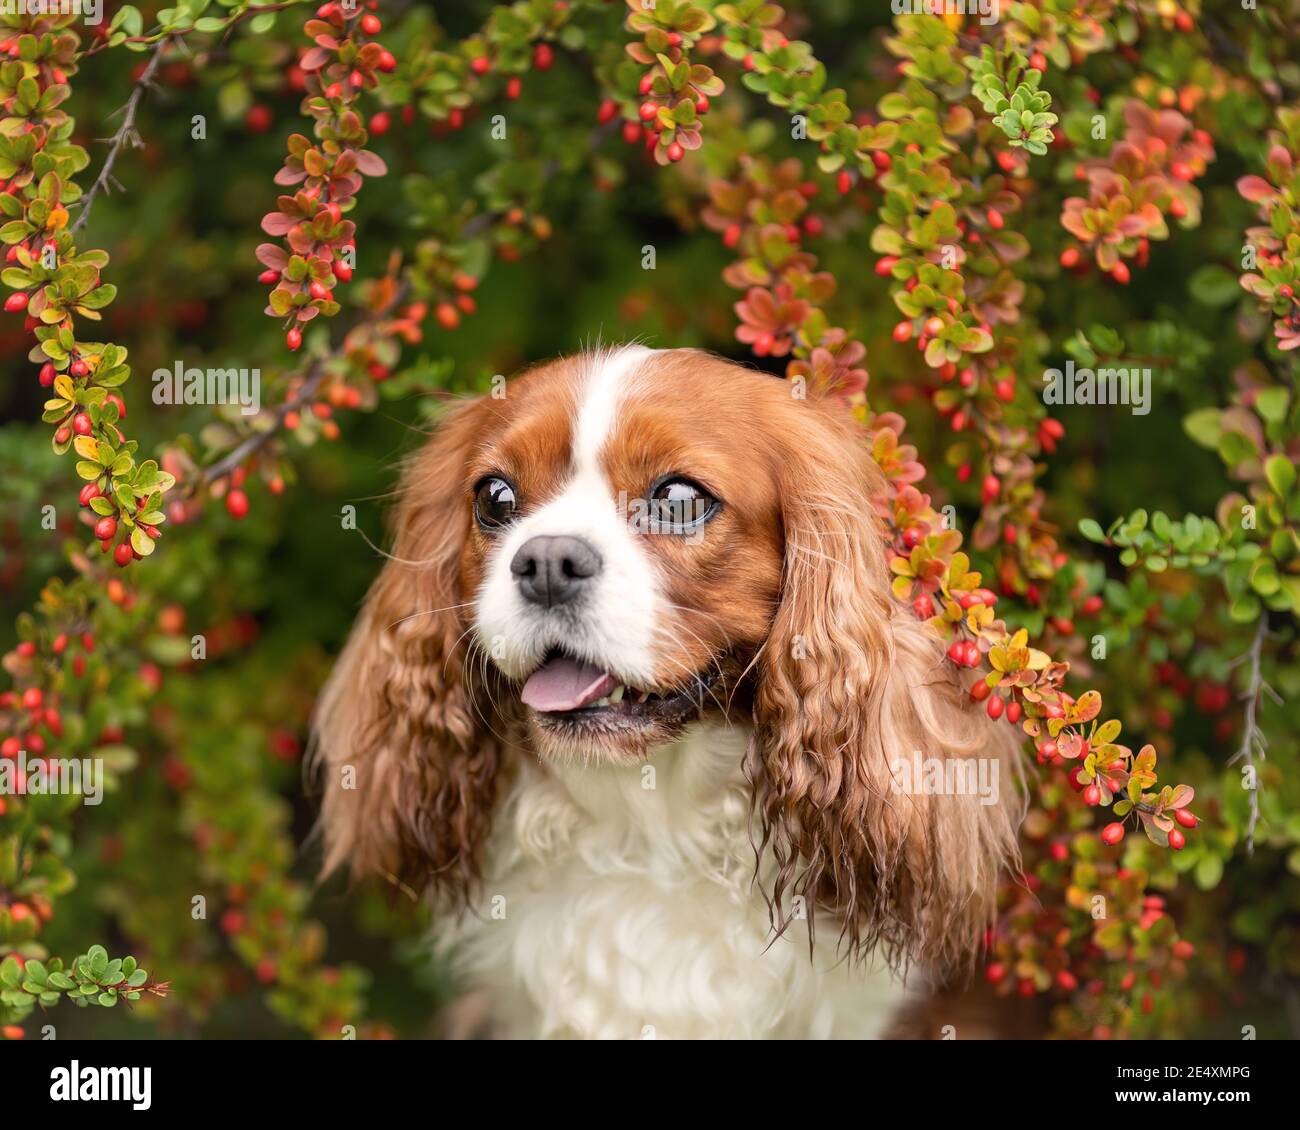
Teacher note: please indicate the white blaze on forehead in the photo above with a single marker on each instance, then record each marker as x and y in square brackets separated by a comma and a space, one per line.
[608, 377]
[615, 625]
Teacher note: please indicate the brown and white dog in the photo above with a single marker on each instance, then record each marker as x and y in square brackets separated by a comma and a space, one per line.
[630, 699]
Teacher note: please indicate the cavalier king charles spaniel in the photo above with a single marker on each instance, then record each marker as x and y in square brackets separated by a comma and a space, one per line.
[630, 699]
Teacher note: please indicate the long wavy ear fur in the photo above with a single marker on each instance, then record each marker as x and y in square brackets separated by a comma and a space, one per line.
[849, 684]
[408, 754]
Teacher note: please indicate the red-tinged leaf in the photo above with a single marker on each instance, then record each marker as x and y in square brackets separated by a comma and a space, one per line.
[272, 255]
[314, 58]
[1255, 188]
[277, 223]
[371, 164]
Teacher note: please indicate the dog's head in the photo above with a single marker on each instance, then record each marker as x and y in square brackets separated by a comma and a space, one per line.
[627, 542]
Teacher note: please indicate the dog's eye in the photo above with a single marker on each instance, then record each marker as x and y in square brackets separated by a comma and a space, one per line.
[495, 502]
[678, 505]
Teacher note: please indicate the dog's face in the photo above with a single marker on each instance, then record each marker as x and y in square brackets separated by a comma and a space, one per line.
[622, 544]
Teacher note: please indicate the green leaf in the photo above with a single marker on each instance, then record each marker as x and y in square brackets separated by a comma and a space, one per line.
[1280, 472]
[1213, 285]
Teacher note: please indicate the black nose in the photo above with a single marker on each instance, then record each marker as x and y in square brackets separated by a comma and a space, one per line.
[554, 570]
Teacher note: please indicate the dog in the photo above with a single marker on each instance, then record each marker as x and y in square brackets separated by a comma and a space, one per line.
[629, 702]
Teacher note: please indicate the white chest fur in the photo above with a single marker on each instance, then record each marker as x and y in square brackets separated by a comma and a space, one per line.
[618, 903]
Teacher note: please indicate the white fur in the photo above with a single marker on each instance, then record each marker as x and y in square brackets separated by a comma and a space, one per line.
[618, 903]
[616, 628]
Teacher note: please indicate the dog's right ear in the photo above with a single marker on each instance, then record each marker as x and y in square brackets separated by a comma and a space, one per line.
[403, 732]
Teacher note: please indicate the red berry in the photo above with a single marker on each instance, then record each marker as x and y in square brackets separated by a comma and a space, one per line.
[480, 65]
[1092, 795]
[995, 972]
[1038, 61]
[1070, 258]
[387, 62]
[514, 87]
[237, 504]
[16, 302]
[994, 217]
[32, 698]
[543, 57]
[318, 291]
[341, 270]
[1121, 273]
[46, 375]
[258, 119]
[608, 111]
[923, 605]
[293, 339]
[980, 691]
[648, 110]
[1185, 818]
[123, 554]
[844, 182]
[269, 276]
[78, 368]
[370, 24]
[995, 707]
[676, 152]
[990, 489]
[81, 424]
[903, 331]
[1177, 840]
[1014, 711]
[1112, 833]
[448, 316]
[380, 123]
[106, 528]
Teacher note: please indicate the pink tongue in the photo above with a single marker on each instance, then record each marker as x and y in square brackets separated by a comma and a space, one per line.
[566, 684]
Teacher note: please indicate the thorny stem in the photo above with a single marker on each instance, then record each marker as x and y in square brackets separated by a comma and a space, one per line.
[1253, 741]
[126, 132]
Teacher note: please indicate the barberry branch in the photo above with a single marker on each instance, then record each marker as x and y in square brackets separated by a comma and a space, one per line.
[126, 134]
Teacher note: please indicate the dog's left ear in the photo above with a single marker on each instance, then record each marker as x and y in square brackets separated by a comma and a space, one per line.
[850, 684]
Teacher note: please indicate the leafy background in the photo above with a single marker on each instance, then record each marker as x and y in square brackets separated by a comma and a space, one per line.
[210, 799]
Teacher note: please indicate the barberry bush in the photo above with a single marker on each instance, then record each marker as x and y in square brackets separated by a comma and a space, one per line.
[956, 223]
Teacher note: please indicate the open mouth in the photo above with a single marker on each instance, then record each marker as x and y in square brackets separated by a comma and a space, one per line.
[571, 692]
